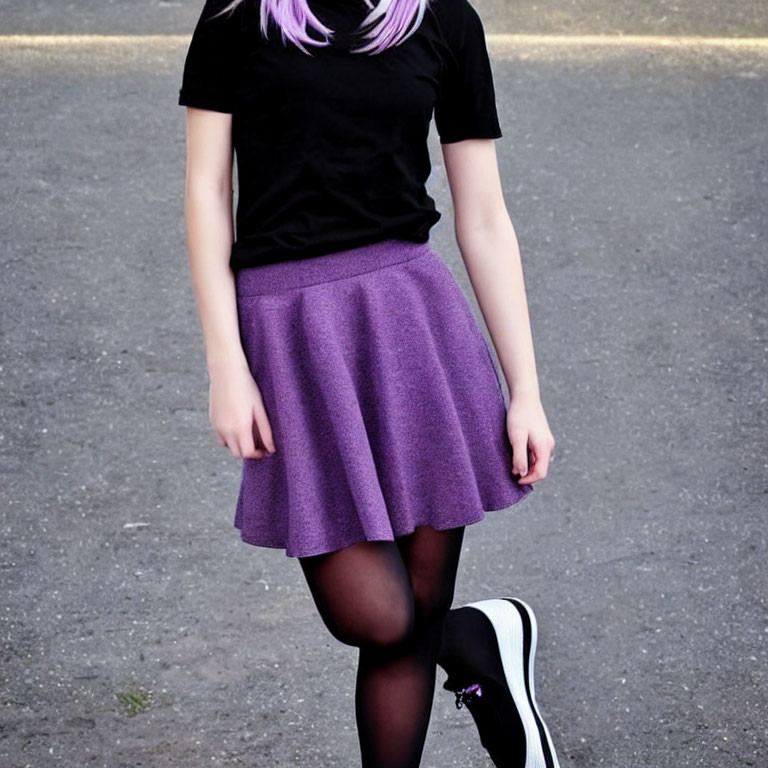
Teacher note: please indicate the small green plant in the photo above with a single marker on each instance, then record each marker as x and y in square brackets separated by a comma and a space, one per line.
[135, 699]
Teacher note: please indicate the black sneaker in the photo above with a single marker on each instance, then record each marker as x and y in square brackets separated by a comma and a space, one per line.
[488, 649]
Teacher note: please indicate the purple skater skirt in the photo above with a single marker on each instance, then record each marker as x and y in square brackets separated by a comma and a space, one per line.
[385, 404]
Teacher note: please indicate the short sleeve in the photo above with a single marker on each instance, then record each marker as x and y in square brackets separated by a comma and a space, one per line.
[211, 71]
[466, 105]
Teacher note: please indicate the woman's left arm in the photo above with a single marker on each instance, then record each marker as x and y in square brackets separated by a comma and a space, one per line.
[491, 254]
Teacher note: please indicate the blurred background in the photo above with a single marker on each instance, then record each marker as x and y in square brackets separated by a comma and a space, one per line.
[137, 630]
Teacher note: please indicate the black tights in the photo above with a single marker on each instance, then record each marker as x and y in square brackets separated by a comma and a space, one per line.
[389, 599]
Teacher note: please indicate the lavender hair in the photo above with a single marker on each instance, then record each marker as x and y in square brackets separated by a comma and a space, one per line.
[389, 23]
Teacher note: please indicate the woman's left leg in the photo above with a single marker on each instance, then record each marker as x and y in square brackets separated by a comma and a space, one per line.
[395, 690]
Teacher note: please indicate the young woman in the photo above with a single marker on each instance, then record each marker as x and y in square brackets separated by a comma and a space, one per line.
[346, 367]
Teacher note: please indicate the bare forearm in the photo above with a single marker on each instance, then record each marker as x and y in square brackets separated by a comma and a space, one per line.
[492, 257]
[209, 240]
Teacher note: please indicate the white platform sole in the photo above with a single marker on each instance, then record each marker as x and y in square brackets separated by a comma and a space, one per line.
[508, 625]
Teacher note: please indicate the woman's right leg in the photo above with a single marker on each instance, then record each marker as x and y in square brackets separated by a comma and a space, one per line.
[365, 596]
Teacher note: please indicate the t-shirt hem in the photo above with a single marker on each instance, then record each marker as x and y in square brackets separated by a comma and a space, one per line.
[204, 100]
[454, 138]
[243, 257]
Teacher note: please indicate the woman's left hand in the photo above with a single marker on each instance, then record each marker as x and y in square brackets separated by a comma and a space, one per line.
[531, 439]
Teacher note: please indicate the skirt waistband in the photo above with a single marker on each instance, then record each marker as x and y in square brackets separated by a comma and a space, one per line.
[298, 273]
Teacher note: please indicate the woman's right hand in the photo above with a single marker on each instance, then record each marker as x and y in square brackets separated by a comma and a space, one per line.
[237, 412]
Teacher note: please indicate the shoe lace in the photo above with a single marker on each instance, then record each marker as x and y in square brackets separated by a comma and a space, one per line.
[465, 695]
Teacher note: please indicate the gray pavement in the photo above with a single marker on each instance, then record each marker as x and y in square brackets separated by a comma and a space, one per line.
[637, 182]
[659, 17]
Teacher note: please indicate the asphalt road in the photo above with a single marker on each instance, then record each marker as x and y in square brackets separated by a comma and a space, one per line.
[637, 180]
[661, 17]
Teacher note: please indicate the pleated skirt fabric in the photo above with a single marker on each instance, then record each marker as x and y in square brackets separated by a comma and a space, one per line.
[384, 401]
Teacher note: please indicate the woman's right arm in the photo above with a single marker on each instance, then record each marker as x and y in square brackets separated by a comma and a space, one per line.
[236, 408]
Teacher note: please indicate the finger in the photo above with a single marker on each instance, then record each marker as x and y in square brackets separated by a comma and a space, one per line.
[259, 450]
[532, 477]
[228, 440]
[235, 442]
[542, 456]
[264, 429]
[539, 464]
[253, 448]
[246, 443]
[234, 446]
[255, 453]
[519, 442]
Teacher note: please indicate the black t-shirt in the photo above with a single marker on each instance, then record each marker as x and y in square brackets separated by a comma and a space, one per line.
[331, 149]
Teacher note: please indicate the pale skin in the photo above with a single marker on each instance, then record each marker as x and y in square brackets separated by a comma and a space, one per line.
[489, 248]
